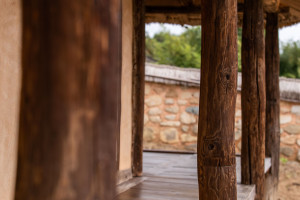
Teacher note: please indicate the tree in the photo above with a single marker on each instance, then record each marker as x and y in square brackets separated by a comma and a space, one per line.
[290, 60]
[184, 50]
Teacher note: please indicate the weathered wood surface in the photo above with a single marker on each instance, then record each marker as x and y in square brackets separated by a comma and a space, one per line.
[216, 147]
[271, 6]
[138, 86]
[68, 120]
[170, 176]
[272, 96]
[253, 96]
[189, 11]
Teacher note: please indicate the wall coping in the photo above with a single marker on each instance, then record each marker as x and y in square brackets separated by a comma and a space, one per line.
[289, 88]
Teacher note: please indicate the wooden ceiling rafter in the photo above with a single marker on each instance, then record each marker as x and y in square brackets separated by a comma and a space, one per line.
[189, 11]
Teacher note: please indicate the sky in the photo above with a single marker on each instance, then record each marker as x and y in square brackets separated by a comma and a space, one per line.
[291, 33]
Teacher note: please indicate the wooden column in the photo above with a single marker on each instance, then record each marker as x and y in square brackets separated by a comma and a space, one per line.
[68, 120]
[253, 96]
[272, 94]
[216, 147]
[138, 86]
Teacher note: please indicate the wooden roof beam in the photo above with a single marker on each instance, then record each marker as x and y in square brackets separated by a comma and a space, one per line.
[180, 10]
[271, 6]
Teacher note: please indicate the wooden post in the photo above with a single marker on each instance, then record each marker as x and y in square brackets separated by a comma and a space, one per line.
[138, 86]
[216, 147]
[272, 95]
[68, 120]
[253, 96]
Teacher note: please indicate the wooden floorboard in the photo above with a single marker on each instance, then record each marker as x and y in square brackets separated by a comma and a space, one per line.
[169, 176]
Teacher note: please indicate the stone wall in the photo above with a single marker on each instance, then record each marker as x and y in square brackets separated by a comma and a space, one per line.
[171, 120]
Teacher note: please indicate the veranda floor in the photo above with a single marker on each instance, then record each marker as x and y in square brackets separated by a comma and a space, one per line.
[169, 176]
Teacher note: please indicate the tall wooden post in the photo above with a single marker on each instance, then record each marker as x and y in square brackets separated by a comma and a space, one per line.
[138, 86]
[216, 148]
[68, 120]
[272, 96]
[253, 96]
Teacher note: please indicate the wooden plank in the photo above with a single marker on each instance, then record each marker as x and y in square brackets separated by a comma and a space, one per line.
[216, 148]
[253, 96]
[272, 98]
[138, 86]
[161, 183]
[68, 119]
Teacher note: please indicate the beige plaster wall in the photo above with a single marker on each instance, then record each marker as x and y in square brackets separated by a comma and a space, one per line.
[10, 76]
[126, 110]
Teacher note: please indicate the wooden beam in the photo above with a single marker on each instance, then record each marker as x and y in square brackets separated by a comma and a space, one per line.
[272, 96]
[271, 6]
[253, 96]
[180, 10]
[68, 119]
[138, 86]
[216, 147]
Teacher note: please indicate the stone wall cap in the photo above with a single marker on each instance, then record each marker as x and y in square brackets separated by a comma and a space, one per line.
[289, 88]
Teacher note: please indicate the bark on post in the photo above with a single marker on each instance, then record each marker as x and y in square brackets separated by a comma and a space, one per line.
[68, 119]
[138, 86]
[216, 147]
[253, 96]
[272, 95]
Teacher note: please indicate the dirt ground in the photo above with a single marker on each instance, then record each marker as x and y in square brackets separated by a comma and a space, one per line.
[289, 181]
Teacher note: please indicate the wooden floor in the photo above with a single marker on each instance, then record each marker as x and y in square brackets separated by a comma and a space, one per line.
[169, 176]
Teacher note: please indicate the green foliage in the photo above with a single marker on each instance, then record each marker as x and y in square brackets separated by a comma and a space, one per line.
[290, 60]
[184, 50]
[283, 160]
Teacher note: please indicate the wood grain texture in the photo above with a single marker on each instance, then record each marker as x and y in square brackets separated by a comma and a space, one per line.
[138, 86]
[272, 95]
[172, 176]
[253, 96]
[69, 100]
[216, 148]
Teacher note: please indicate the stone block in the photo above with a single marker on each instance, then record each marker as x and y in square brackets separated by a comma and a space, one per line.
[170, 117]
[169, 101]
[185, 128]
[296, 110]
[182, 102]
[194, 101]
[188, 138]
[149, 134]
[171, 93]
[196, 95]
[195, 129]
[285, 119]
[169, 135]
[186, 95]
[172, 109]
[155, 119]
[193, 109]
[158, 90]
[146, 119]
[292, 129]
[288, 140]
[298, 155]
[147, 89]
[153, 101]
[298, 142]
[154, 111]
[186, 118]
[287, 151]
[170, 123]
